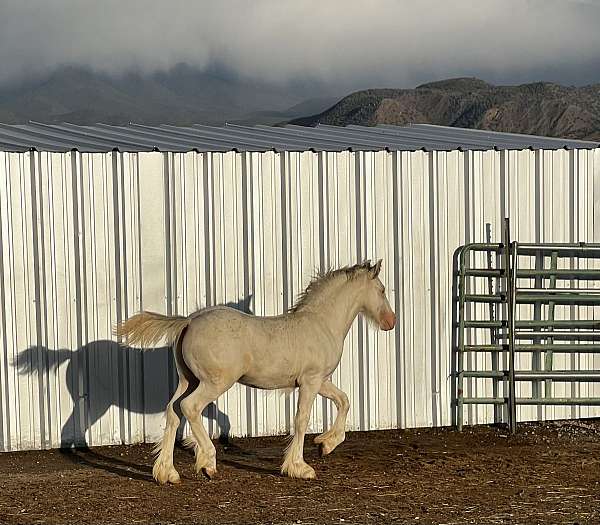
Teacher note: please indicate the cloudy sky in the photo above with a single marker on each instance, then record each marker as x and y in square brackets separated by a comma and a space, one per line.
[343, 43]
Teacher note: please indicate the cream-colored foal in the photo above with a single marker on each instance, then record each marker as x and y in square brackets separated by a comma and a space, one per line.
[217, 347]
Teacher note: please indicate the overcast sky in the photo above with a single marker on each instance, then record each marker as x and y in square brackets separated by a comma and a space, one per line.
[345, 43]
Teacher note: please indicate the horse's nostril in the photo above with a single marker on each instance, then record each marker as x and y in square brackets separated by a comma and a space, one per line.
[388, 321]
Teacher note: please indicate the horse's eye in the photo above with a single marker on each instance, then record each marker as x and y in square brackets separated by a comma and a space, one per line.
[383, 290]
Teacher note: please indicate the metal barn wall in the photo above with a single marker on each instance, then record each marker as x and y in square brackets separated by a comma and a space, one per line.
[90, 238]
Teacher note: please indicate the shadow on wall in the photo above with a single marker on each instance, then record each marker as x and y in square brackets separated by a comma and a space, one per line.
[139, 388]
[90, 380]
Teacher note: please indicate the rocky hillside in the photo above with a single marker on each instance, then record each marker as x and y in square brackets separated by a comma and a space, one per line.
[541, 108]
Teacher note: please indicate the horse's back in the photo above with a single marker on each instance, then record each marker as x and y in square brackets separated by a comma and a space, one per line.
[222, 340]
[219, 311]
[221, 328]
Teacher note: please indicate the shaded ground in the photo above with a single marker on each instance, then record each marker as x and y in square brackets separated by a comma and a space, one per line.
[546, 474]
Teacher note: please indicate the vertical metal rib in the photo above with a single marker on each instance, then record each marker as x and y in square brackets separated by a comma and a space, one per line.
[461, 341]
[493, 314]
[551, 308]
[512, 311]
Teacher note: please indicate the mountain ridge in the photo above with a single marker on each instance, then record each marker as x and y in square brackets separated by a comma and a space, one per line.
[185, 96]
[538, 108]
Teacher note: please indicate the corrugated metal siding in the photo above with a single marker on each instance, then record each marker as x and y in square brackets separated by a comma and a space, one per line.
[89, 238]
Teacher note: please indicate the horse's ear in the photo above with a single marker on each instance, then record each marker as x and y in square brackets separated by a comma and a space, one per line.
[365, 265]
[374, 270]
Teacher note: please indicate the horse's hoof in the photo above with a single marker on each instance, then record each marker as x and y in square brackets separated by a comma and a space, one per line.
[308, 473]
[210, 472]
[328, 446]
[324, 449]
[164, 475]
[174, 478]
[301, 471]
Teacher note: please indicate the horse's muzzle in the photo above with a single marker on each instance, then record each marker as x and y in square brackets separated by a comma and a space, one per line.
[388, 321]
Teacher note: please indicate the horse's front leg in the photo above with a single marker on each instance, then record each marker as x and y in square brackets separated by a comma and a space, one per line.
[337, 433]
[294, 465]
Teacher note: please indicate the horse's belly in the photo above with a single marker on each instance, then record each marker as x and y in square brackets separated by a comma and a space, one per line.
[267, 382]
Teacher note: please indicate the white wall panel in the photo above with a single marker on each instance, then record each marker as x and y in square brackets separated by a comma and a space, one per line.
[88, 239]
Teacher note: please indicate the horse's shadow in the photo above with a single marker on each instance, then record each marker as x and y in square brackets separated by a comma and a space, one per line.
[144, 383]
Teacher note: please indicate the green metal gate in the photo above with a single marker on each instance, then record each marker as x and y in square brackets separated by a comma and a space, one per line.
[508, 295]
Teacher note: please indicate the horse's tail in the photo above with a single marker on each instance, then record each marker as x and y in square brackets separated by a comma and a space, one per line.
[147, 329]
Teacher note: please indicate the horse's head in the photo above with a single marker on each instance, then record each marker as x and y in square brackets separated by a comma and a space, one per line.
[374, 302]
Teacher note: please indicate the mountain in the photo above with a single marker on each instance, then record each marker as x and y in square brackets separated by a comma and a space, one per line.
[183, 95]
[307, 107]
[540, 108]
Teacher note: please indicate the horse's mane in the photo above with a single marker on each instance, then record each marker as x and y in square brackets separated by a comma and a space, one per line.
[321, 279]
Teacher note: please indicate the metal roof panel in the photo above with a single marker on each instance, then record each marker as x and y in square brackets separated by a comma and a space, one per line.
[138, 137]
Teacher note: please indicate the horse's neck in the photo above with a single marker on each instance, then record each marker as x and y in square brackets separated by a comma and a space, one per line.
[337, 309]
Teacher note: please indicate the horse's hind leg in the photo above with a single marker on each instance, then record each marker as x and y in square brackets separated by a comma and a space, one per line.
[164, 470]
[192, 407]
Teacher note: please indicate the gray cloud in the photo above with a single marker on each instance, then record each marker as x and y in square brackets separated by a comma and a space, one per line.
[347, 43]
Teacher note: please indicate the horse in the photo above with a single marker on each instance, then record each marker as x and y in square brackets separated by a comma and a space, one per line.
[219, 346]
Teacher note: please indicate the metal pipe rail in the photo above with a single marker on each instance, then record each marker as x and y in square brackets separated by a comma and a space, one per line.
[566, 298]
[586, 401]
[510, 335]
[534, 296]
[562, 323]
[557, 375]
[563, 275]
[556, 348]
[559, 335]
[567, 275]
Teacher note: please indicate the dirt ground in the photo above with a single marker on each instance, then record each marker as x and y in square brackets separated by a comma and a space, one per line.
[547, 473]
